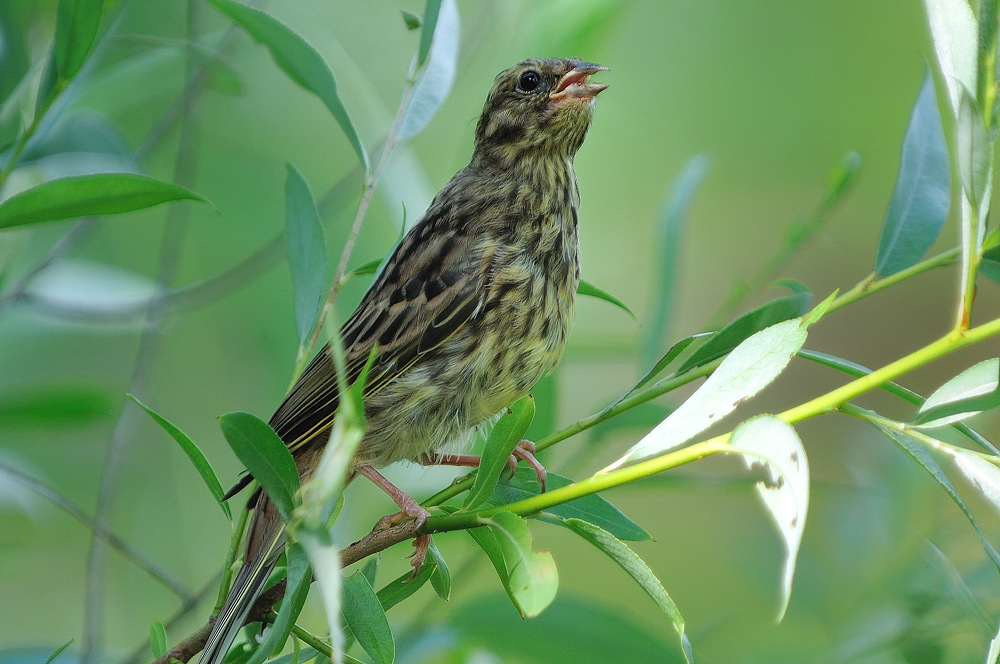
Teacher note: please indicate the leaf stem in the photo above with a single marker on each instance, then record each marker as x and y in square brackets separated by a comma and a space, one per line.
[359, 215]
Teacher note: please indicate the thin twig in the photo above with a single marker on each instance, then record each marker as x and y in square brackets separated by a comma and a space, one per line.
[172, 243]
[359, 215]
[140, 559]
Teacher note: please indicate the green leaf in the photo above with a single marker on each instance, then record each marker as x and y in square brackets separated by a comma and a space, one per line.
[982, 474]
[77, 22]
[916, 450]
[84, 195]
[974, 390]
[975, 151]
[990, 265]
[994, 652]
[403, 587]
[587, 288]
[436, 70]
[264, 454]
[306, 252]
[501, 441]
[672, 354]
[922, 197]
[410, 20]
[592, 508]
[431, 12]
[774, 442]
[748, 369]
[441, 577]
[953, 27]
[299, 60]
[157, 638]
[669, 243]
[193, 452]
[325, 562]
[637, 569]
[764, 316]
[532, 579]
[857, 370]
[584, 630]
[297, 589]
[58, 651]
[487, 541]
[367, 619]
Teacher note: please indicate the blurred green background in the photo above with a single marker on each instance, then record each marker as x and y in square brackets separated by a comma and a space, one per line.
[772, 92]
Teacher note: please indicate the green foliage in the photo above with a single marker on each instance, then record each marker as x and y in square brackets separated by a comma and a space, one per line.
[68, 120]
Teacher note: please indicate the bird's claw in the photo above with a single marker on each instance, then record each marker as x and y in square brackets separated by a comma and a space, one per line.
[525, 451]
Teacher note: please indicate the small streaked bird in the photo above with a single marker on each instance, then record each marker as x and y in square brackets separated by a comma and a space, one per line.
[469, 311]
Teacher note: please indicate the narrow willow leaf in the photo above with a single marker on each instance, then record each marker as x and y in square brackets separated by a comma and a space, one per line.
[411, 20]
[394, 592]
[751, 367]
[994, 652]
[85, 195]
[953, 27]
[774, 442]
[325, 561]
[323, 493]
[299, 60]
[306, 252]
[974, 390]
[842, 174]
[922, 196]
[404, 586]
[981, 474]
[589, 289]
[592, 508]
[990, 265]
[732, 335]
[574, 630]
[297, 589]
[367, 619]
[265, 456]
[441, 577]
[637, 568]
[916, 450]
[436, 78]
[857, 370]
[975, 151]
[672, 354]
[670, 231]
[77, 22]
[501, 441]
[193, 453]
[58, 651]
[431, 12]
[532, 577]
[487, 541]
[157, 638]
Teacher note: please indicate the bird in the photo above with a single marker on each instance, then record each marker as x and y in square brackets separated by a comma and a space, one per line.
[471, 308]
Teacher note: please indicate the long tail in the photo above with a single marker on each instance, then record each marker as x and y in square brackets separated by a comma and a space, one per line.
[262, 554]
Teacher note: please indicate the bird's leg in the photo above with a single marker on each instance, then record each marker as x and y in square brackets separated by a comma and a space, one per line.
[525, 450]
[409, 508]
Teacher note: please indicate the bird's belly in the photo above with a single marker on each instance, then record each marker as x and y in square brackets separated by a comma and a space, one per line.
[437, 405]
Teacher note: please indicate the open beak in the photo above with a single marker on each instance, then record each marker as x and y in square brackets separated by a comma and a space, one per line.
[575, 83]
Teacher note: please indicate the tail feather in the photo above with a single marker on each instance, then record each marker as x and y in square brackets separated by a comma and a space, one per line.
[247, 586]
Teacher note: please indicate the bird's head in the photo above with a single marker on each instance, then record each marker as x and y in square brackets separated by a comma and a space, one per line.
[538, 106]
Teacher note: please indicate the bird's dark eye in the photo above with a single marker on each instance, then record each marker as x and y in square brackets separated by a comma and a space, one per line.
[529, 80]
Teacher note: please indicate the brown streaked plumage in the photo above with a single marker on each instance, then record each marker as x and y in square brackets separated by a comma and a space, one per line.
[469, 311]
